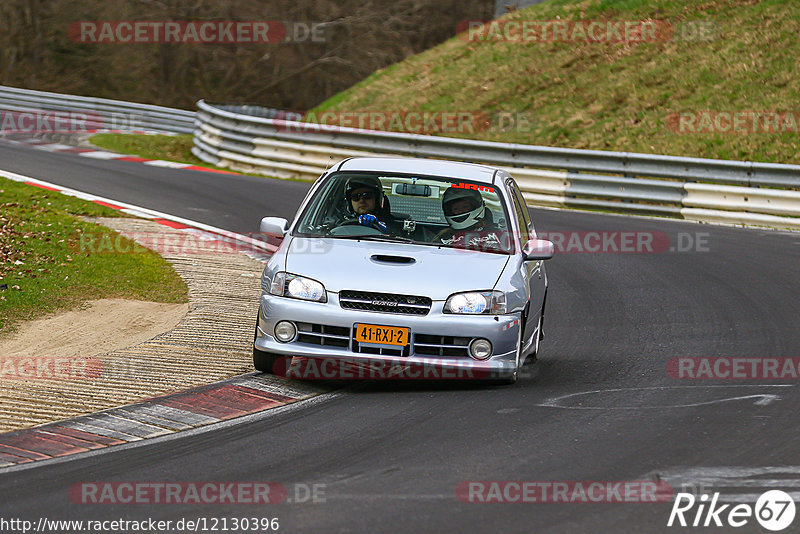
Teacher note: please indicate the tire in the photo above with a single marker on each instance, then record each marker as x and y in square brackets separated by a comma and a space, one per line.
[541, 317]
[533, 356]
[535, 352]
[509, 380]
[262, 361]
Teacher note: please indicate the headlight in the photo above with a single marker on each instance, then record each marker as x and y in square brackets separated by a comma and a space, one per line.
[285, 331]
[298, 287]
[477, 302]
[480, 349]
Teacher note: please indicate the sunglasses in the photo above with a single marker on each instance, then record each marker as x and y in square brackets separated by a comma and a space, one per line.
[366, 195]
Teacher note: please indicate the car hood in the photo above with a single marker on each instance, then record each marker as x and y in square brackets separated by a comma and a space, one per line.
[393, 267]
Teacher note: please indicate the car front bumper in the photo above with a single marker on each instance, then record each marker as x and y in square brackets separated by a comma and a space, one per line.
[419, 360]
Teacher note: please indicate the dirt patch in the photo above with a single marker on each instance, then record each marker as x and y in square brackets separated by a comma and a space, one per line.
[102, 326]
[211, 341]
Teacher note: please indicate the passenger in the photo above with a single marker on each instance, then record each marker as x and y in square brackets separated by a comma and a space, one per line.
[471, 223]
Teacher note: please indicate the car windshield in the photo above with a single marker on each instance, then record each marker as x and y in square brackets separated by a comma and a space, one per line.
[425, 210]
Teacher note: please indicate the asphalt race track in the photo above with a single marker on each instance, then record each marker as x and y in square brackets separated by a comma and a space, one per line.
[598, 406]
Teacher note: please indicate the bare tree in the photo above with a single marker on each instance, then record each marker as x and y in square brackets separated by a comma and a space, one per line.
[360, 36]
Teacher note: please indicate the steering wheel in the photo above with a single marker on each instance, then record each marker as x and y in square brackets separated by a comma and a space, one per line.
[353, 227]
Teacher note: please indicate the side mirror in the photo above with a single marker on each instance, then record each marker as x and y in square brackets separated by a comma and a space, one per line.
[276, 226]
[538, 249]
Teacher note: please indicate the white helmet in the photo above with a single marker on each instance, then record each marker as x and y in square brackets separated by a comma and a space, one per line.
[463, 220]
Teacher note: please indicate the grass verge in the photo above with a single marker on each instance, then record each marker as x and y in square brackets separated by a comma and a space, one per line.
[176, 148]
[42, 267]
[622, 96]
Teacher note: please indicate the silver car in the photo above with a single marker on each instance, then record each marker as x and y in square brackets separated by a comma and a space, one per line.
[404, 268]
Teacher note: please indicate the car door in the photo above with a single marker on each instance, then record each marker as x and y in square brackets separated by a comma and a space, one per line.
[532, 270]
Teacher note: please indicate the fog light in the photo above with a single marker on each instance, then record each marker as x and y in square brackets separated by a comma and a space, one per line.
[285, 331]
[480, 349]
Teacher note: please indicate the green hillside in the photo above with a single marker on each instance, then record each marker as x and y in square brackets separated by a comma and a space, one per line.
[710, 59]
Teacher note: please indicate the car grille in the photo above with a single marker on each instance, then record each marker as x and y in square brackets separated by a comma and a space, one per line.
[384, 302]
[427, 345]
[340, 336]
[382, 351]
[321, 334]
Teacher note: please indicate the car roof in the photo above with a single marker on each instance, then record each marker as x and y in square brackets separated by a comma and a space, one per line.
[432, 167]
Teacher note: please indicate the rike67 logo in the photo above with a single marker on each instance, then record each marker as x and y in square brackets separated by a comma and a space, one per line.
[774, 511]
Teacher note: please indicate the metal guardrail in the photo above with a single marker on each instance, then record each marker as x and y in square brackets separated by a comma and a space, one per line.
[508, 154]
[101, 113]
[272, 142]
[719, 191]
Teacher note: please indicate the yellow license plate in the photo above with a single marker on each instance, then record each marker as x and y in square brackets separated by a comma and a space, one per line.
[382, 335]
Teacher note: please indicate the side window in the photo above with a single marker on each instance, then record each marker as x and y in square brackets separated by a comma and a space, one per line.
[530, 233]
[521, 211]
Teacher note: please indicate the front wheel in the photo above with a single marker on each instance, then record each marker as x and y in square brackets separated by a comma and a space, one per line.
[508, 380]
[511, 379]
[264, 361]
[536, 342]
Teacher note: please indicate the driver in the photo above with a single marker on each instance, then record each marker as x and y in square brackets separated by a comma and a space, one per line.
[367, 202]
[471, 224]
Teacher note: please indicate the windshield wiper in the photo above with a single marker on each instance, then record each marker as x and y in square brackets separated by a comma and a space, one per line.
[388, 238]
[368, 237]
